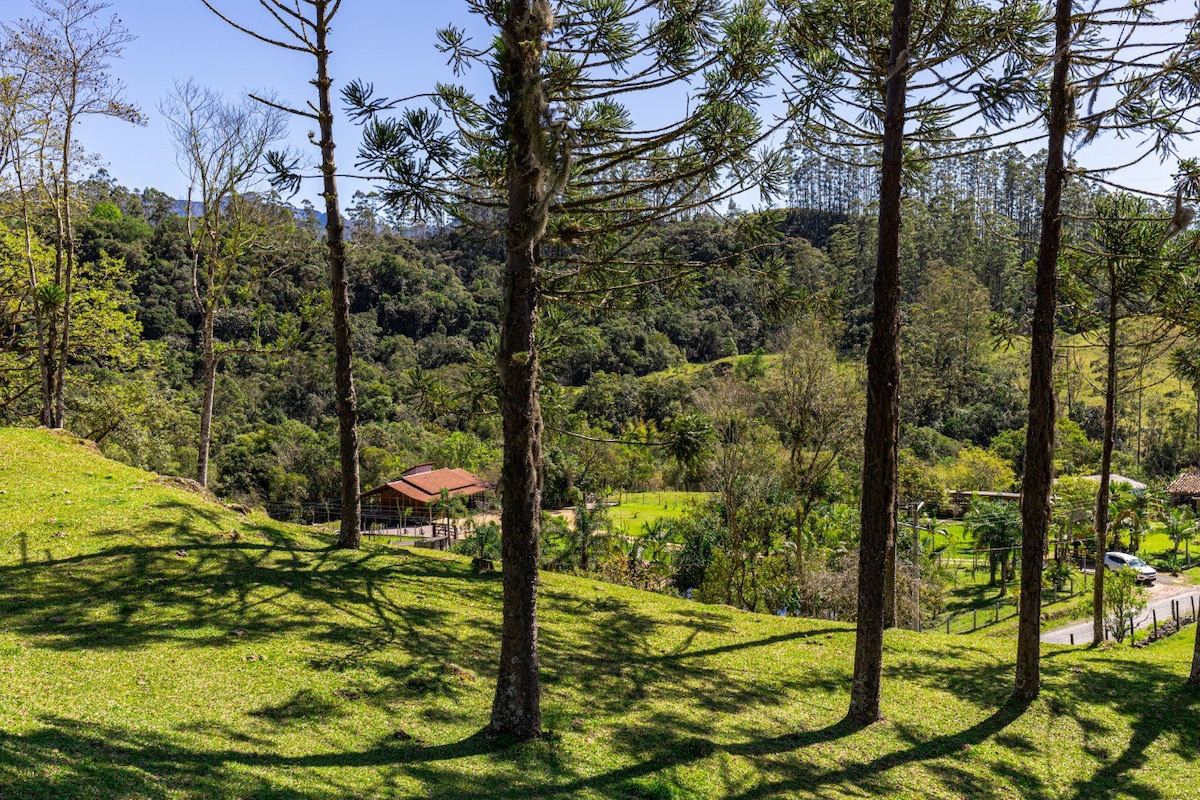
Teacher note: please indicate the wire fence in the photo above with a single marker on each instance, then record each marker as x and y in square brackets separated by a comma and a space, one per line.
[970, 620]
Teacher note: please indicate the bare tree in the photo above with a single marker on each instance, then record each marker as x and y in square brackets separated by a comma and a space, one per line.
[304, 26]
[220, 147]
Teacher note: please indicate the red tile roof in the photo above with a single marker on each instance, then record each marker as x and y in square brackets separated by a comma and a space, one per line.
[1186, 483]
[426, 487]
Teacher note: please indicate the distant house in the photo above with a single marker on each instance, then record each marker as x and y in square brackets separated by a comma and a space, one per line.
[1185, 490]
[1137, 486]
[418, 490]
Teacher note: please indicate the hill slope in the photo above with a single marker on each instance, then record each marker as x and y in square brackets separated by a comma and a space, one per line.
[156, 645]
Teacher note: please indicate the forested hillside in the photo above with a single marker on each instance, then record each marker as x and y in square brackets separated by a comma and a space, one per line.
[426, 311]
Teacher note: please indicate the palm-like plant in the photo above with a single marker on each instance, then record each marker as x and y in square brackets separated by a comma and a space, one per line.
[590, 519]
[1180, 525]
[996, 527]
[651, 546]
[450, 508]
[1132, 509]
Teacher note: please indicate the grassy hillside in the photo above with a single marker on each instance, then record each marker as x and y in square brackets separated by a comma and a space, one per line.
[156, 645]
[1081, 375]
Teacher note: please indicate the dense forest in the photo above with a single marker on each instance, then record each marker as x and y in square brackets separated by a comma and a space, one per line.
[426, 308]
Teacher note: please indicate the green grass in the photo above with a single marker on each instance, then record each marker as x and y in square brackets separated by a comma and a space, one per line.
[148, 652]
[635, 509]
[1083, 361]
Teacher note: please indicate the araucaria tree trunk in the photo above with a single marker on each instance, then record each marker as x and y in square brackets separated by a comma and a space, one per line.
[1106, 451]
[1038, 479]
[350, 535]
[1194, 678]
[880, 471]
[516, 709]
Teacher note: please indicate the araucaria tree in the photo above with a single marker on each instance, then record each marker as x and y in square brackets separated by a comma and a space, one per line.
[853, 83]
[880, 475]
[1038, 478]
[1119, 280]
[554, 163]
[1149, 89]
[304, 26]
[220, 147]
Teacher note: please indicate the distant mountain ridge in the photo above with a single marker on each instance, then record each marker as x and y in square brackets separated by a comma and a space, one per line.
[180, 207]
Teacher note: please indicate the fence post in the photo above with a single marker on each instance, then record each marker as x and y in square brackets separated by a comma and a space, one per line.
[948, 626]
[1072, 638]
[997, 619]
[1154, 616]
[974, 620]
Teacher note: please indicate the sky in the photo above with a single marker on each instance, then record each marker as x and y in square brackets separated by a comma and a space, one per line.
[387, 42]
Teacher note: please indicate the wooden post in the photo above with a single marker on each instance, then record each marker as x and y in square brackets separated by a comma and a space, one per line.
[947, 626]
[1154, 616]
[916, 559]
[997, 618]
[974, 619]
[1072, 638]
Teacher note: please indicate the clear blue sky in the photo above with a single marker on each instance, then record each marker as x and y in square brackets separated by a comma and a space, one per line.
[388, 42]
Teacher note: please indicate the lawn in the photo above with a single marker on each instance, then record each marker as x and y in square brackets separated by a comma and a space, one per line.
[156, 645]
[632, 510]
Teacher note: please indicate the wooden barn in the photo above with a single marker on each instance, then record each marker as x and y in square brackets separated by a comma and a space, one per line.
[419, 490]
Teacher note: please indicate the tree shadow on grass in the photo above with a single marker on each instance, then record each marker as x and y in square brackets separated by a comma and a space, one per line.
[400, 616]
[632, 658]
[66, 758]
[1092, 693]
[198, 590]
[1160, 710]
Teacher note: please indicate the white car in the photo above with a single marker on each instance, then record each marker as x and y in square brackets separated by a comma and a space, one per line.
[1117, 561]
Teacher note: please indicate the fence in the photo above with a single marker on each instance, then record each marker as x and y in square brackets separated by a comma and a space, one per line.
[970, 620]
